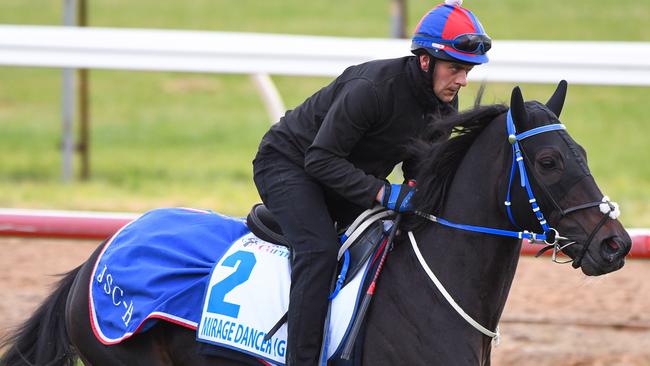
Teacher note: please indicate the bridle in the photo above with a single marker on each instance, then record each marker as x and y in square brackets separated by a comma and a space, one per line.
[550, 238]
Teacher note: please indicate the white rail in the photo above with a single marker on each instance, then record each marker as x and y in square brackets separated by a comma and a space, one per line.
[602, 63]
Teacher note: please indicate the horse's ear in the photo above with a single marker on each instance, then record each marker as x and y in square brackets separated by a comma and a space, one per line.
[517, 108]
[556, 102]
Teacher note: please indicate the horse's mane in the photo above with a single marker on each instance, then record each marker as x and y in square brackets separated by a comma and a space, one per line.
[440, 151]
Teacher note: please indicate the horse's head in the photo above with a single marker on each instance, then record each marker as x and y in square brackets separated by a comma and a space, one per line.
[582, 222]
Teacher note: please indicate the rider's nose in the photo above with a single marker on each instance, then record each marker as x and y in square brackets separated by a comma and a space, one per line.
[462, 79]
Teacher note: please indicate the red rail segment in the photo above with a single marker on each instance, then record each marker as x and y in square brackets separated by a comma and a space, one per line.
[61, 224]
[99, 225]
[640, 245]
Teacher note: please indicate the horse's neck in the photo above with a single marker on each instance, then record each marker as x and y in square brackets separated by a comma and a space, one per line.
[476, 269]
[480, 267]
[474, 196]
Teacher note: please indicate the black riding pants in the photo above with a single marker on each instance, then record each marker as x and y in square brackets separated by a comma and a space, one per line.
[304, 211]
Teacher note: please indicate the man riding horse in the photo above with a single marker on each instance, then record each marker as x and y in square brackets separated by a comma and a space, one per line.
[327, 160]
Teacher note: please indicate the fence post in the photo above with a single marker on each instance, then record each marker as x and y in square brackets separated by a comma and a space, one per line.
[67, 101]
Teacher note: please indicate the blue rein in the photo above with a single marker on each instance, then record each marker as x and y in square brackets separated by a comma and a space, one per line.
[517, 163]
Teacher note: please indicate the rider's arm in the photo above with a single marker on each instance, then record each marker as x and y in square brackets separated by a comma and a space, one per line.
[354, 111]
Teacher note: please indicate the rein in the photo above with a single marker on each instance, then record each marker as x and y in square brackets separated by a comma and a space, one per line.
[550, 237]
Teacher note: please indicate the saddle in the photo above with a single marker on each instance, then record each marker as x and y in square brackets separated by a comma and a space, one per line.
[358, 243]
[260, 221]
[360, 238]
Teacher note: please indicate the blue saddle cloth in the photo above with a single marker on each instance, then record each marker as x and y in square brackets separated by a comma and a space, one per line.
[169, 262]
[153, 268]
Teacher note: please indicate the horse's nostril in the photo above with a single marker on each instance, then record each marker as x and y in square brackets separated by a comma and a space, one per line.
[609, 248]
[613, 245]
[612, 249]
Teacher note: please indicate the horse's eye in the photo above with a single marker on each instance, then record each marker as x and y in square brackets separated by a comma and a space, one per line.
[547, 163]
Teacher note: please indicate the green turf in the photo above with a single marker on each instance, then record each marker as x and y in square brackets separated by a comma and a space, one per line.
[170, 139]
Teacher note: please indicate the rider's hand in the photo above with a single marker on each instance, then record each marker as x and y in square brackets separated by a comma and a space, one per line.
[397, 197]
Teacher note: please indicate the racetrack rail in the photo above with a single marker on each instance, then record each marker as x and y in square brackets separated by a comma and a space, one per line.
[101, 225]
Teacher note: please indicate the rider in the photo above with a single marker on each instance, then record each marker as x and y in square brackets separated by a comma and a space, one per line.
[327, 160]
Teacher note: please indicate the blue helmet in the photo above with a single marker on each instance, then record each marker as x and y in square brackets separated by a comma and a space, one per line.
[452, 33]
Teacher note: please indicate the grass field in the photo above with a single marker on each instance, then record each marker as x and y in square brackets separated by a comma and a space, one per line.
[170, 139]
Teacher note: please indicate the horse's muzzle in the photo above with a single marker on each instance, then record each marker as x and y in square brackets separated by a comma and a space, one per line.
[605, 255]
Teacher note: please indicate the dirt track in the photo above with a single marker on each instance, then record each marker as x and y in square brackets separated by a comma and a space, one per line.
[555, 315]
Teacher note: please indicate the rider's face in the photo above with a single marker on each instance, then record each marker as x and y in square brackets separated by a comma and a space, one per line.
[448, 78]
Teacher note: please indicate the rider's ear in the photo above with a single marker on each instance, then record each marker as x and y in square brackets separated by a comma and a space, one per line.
[556, 102]
[517, 108]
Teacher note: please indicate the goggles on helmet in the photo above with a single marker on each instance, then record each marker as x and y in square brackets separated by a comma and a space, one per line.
[472, 43]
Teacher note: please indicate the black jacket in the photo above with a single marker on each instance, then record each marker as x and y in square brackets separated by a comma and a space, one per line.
[352, 133]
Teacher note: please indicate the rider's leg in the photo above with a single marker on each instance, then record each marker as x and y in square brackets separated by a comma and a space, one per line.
[298, 204]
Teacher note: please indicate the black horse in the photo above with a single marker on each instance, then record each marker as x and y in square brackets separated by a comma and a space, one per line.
[464, 179]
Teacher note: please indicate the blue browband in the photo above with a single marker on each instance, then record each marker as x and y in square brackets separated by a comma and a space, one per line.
[517, 161]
